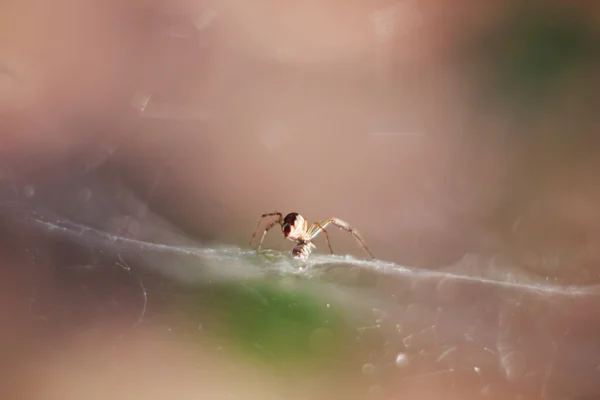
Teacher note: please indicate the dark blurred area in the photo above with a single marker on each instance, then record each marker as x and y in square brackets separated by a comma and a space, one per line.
[141, 141]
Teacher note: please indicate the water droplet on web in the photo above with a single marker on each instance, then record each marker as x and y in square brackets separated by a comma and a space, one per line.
[402, 360]
[368, 369]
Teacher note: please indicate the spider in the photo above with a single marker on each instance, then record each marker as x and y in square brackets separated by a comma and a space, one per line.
[295, 228]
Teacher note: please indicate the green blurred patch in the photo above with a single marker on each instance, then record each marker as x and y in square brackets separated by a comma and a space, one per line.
[267, 322]
[283, 327]
[535, 53]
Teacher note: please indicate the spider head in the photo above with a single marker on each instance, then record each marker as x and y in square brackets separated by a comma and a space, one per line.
[292, 226]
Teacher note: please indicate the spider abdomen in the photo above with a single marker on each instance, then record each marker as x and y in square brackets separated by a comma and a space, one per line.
[302, 250]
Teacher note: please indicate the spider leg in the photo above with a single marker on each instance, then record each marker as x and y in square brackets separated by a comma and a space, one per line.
[346, 226]
[269, 226]
[315, 229]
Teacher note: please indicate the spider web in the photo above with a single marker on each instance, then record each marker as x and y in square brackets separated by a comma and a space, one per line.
[474, 327]
[472, 321]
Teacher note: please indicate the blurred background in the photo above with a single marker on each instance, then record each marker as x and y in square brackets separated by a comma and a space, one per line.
[458, 138]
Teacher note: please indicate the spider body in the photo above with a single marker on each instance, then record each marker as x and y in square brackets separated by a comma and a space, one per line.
[295, 228]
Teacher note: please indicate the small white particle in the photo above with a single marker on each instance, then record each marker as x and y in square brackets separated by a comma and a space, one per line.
[402, 360]
[140, 101]
[29, 191]
[368, 369]
[205, 19]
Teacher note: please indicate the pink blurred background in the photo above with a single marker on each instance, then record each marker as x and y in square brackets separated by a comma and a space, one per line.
[230, 109]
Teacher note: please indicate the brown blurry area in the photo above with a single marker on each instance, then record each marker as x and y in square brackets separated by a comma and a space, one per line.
[307, 107]
[299, 106]
[297, 115]
[311, 107]
[148, 366]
